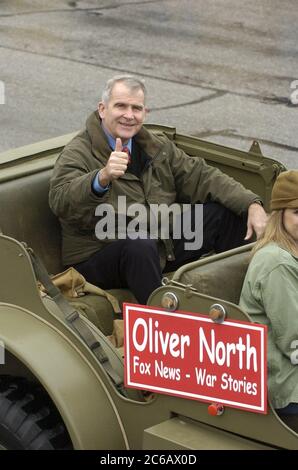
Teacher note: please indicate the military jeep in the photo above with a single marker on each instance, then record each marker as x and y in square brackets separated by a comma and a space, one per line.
[54, 391]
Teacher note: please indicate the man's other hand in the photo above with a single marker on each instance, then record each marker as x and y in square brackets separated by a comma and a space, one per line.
[256, 221]
[115, 167]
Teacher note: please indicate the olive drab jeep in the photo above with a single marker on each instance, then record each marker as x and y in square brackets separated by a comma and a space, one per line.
[61, 379]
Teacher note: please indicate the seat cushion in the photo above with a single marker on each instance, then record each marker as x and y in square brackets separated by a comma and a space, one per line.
[219, 276]
[99, 310]
[26, 216]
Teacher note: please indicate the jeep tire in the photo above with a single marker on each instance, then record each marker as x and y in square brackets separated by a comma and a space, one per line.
[28, 418]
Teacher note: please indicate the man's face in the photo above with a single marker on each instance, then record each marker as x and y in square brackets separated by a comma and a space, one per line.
[124, 113]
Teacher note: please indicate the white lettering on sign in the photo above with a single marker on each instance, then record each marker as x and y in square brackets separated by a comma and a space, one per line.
[142, 367]
[188, 355]
[239, 386]
[221, 353]
[204, 378]
[146, 335]
[171, 373]
[227, 382]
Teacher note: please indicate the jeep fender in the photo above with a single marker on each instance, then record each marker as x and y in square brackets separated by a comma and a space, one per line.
[74, 386]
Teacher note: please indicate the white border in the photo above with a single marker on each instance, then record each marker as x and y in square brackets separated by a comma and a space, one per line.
[188, 394]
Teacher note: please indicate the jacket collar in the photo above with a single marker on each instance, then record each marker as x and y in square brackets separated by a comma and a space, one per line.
[100, 146]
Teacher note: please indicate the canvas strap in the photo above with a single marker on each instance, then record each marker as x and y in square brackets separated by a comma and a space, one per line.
[74, 319]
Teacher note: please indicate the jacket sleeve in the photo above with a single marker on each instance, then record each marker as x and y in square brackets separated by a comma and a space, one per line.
[71, 196]
[198, 182]
[279, 294]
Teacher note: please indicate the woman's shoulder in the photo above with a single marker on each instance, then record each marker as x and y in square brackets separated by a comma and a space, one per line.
[272, 255]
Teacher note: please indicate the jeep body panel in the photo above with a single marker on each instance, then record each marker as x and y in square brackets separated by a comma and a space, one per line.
[44, 349]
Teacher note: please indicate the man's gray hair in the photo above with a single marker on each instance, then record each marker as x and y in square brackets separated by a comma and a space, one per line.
[132, 83]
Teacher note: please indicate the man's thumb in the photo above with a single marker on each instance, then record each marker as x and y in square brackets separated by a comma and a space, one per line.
[118, 147]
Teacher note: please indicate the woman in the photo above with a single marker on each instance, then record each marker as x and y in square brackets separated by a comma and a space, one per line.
[270, 295]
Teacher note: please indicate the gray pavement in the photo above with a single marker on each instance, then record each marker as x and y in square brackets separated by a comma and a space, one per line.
[221, 69]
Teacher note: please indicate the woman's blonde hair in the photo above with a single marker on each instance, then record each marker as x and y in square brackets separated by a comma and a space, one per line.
[275, 232]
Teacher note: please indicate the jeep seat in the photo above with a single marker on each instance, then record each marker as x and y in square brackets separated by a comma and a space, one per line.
[26, 216]
[220, 275]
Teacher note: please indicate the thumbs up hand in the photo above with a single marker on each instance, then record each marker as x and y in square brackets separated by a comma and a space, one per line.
[118, 147]
[116, 165]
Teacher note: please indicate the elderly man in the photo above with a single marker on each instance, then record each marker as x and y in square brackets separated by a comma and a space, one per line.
[116, 156]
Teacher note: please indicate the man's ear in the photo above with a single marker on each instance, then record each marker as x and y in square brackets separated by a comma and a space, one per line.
[101, 109]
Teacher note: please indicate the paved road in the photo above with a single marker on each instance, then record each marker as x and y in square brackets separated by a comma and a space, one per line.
[221, 69]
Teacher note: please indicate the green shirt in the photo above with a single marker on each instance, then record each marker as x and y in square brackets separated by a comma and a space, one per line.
[270, 296]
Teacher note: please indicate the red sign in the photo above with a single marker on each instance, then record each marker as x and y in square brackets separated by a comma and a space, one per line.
[188, 355]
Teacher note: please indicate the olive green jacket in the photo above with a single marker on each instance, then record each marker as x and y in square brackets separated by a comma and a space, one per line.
[171, 176]
[270, 296]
